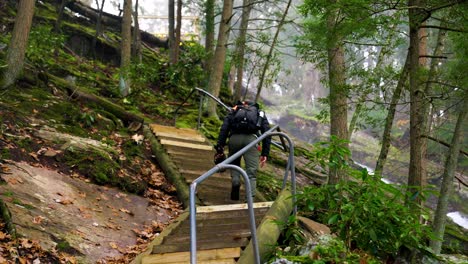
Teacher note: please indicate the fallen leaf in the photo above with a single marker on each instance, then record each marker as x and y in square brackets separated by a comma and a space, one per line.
[3, 236]
[138, 138]
[26, 243]
[64, 202]
[12, 181]
[113, 245]
[4, 169]
[38, 219]
[34, 155]
[125, 211]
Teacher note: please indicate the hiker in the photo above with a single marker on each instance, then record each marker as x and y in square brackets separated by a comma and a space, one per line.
[242, 126]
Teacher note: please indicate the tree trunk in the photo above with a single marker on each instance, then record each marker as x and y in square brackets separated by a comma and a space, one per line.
[178, 31]
[98, 27]
[240, 48]
[125, 52]
[136, 51]
[171, 34]
[415, 177]
[209, 34]
[60, 7]
[390, 117]
[338, 93]
[270, 53]
[446, 188]
[216, 75]
[19, 41]
[269, 230]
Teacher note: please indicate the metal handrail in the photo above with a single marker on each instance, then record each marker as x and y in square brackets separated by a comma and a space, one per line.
[202, 94]
[225, 165]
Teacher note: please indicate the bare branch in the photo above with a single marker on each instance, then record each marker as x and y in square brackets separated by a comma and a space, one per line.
[433, 57]
[443, 28]
[443, 143]
[449, 4]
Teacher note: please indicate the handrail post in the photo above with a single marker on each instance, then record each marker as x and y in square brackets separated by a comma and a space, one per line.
[226, 165]
[200, 110]
[193, 210]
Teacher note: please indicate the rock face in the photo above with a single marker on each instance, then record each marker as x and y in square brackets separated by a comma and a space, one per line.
[72, 215]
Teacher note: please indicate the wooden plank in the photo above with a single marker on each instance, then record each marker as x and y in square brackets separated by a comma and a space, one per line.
[231, 207]
[165, 233]
[185, 247]
[184, 154]
[168, 135]
[170, 129]
[202, 255]
[166, 142]
[222, 227]
[211, 237]
[192, 172]
[194, 164]
[217, 261]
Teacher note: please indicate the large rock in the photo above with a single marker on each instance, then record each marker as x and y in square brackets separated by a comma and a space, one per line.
[75, 216]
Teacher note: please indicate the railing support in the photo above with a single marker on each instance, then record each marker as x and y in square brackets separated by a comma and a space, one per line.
[193, 210]
[226, 165]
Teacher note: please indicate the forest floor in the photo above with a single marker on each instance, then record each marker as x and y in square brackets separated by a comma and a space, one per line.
[60, 215]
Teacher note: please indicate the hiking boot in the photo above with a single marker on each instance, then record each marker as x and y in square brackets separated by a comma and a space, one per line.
[235, 192]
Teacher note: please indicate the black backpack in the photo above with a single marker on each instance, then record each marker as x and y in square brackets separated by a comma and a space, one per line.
[245, 119]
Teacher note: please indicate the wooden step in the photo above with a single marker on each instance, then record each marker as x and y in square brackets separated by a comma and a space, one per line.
[194, 164]
[184, 145]
[181, 138]
[174, 130]
[219, 255]
[213, 184]
[208, 155]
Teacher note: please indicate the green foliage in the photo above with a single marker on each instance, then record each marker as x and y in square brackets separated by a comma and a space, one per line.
[367, 213]
[63, 245]
[269, 184]
[42, 43]
[20, 203]
[327, 249]
[87, 118]
[330, 154]
[8, 194]
[292, 234]
[5, 153]
[144, 73]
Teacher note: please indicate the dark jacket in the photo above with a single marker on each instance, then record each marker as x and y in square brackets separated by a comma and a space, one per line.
[226, 131]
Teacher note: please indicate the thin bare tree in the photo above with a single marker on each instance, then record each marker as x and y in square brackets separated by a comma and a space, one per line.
[19, 41]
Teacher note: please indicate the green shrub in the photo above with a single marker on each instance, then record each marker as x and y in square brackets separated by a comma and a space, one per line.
[367, 214]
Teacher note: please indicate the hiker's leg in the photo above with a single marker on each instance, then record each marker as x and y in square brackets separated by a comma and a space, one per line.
[234, 146]
[251, 158]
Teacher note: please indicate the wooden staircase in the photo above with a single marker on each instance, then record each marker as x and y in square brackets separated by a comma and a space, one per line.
[193, 155]
[223, 229]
